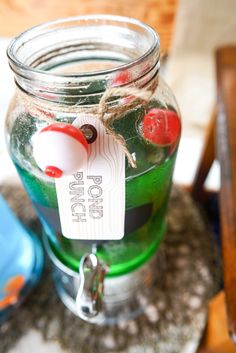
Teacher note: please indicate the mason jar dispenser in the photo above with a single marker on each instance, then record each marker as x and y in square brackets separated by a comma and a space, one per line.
[93, 132]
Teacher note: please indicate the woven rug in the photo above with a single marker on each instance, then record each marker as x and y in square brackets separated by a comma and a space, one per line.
[176, 312]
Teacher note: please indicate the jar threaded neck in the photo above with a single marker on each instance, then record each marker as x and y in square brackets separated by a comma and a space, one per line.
[47, 59]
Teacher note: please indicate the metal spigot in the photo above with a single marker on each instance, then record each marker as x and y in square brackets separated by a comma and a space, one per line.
[90, 292]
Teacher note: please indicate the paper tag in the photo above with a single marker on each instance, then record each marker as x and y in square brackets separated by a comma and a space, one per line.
[92, 201]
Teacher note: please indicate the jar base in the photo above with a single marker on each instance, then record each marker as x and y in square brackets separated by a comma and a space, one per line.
[125, 297]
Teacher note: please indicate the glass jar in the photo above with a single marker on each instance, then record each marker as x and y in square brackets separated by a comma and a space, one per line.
[70, 63]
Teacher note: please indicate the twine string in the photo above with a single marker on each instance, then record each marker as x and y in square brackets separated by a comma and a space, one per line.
[107, 117]
[105, 112]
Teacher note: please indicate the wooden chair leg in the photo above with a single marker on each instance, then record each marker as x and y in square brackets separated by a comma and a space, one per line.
[206, 160]
[226, 153]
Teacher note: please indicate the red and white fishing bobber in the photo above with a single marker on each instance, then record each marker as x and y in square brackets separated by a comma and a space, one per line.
[60, 149]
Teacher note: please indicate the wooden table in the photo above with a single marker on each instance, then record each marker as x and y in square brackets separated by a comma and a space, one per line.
[18, 15]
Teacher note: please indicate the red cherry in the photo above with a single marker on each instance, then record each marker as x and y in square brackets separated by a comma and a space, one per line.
[53, 172]
[48, 114]
[161, 127]
[121, 78]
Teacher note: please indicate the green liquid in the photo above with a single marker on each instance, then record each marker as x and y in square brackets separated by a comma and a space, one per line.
[148, 184]
[126, 254]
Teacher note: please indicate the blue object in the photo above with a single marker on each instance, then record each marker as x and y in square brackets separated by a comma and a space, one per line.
[21, 261]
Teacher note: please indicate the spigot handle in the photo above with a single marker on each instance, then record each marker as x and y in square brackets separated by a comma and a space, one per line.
[90, 292]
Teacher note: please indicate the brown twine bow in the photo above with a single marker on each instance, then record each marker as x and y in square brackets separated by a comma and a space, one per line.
[105, 112]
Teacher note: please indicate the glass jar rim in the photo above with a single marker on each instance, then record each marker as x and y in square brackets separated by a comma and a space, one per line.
[29, 34]
[127, 46]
